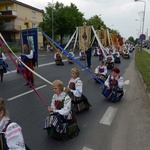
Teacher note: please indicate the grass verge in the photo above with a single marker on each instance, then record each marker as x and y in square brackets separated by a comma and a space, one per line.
[142, 60]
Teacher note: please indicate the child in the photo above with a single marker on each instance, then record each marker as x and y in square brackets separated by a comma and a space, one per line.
[117, 57]
[58, 59]
[82, 54]
[75, 91]
[69, 58]
[95, 53]
[110, 61]
[101, 71]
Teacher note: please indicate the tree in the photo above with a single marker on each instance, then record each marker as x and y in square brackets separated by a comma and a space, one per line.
[131, 39]
[96, 22]
[113, 31]
[66, 19]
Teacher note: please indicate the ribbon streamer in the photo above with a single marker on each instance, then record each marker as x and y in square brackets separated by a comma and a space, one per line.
[75, 60]
[4, 44]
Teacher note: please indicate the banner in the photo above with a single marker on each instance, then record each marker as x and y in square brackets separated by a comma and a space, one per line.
[84, 37]
[30, 37]
[102, 34]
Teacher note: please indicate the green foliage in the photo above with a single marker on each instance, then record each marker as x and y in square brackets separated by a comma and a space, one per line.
[65, 19]
[142, 60]
[96, 22]
[113, 31]
[131, 39]
[15, 48]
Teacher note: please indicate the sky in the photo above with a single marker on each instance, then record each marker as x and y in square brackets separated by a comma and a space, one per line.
[120, 15]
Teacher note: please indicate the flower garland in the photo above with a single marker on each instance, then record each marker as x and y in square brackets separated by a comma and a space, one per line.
[26, 23]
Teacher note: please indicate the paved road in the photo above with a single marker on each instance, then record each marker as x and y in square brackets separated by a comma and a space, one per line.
[106, 126]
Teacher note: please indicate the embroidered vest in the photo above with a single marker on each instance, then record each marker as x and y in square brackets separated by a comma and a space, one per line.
[24, 58]
[58, 57]
[59, 104]
[101, 70]
[109, 59]
[113, 83]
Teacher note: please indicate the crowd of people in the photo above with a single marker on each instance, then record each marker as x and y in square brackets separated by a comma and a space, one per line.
[66, 102]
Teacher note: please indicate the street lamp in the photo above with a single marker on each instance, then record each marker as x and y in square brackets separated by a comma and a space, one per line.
[52, 21]
[143, 13]
[140, 25]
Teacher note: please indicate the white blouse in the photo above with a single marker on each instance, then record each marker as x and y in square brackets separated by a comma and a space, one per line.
[67, 103]
[3, 56]
[56, 54]
[78, 87]
[120, 81]
[102, 67]
[30, 56]
[13, 134]
[110, 56]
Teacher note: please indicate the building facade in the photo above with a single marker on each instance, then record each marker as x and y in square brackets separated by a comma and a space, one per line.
[12, 16]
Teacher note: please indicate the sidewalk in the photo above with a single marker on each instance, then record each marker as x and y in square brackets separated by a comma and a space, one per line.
[133, 130]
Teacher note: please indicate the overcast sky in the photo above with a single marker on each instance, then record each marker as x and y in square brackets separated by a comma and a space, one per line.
[119, 13]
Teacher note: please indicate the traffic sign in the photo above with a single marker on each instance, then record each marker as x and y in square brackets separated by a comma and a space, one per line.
[142, 37]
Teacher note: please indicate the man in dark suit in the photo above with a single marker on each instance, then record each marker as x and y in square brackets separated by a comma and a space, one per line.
[88, 56]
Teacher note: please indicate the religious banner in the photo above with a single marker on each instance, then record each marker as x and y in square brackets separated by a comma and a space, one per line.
[29, 36]
[84, 37]
[117, 41]
[120, 40]
[102, 34]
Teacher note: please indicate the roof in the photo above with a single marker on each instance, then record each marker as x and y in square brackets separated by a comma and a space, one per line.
[22, 4]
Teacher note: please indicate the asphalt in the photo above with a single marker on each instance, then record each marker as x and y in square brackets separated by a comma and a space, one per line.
[129, 130]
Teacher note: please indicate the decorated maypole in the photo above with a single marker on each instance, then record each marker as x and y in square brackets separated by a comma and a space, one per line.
[85, 38]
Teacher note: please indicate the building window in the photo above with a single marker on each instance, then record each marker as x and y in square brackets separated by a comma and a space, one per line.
[33, 25]
[33, 14]
[8, 8]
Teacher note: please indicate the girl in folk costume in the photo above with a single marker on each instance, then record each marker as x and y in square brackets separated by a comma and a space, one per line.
[58, 58]
[82, 54]
[113, 86]
[71, 54]
[61, 124]
[126, 52]
[101, 72]
[110, 60]
[10, 132]
[107, 49]
[2, 65]
[117, 56]
[100, 54]
[74, 89]
[95, 52]
[27, 58]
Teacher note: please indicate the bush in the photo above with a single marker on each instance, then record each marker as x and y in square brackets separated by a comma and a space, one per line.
[15, 48]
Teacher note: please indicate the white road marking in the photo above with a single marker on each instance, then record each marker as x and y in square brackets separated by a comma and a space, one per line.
[42, 65]
[85, 148]
[127, 82]
[20, 95]
[109, 116]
